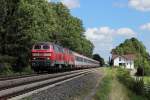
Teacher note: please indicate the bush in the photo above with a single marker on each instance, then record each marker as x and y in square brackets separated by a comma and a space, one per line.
[140, 71]
[136, 85]
[146, 68]
[124, 77]
[7, 59]
[147, 71]
[9, 65]
[27, 70]
[5, 68]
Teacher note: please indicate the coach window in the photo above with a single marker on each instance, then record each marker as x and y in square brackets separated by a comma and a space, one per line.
[77, 58]
[81, 59]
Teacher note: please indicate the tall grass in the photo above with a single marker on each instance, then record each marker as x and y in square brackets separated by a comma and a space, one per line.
[104, 88]
[135, 85]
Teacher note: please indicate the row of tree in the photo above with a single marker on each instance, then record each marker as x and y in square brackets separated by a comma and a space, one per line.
[134, 46]
[25, 22]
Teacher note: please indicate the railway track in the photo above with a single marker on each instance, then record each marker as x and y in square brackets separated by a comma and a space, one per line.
[17, 88]
[3, 78]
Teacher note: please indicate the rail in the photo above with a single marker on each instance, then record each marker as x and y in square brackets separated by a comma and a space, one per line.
[19, 86]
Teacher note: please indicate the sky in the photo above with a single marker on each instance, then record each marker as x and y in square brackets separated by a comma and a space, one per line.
[109, 22]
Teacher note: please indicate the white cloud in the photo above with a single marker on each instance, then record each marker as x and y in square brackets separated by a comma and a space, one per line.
[103, 37]
[146, 26]
[98, 33]
[107, 32]
[71, 3]
[125, 32]
[141, 5]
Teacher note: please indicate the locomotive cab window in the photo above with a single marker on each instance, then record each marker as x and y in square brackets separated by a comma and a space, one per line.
[37, 47]
[46, 47]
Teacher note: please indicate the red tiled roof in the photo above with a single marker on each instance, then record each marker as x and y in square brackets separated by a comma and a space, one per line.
[128, 56]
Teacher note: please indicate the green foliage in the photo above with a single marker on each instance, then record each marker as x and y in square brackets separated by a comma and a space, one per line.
[124, 77]
[146, 68]
[5, 68]
[104, 89]
[140, 71]
[70, 31]
[133, 46]
[136, 85]
[99, 58]
[25, 22]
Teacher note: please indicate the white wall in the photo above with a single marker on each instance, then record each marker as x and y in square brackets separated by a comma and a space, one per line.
[129, 64]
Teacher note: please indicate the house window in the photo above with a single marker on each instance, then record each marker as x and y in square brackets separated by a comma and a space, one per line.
[119, 58]
[130, 63]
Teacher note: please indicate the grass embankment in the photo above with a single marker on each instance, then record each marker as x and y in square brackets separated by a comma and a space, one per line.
[111, 89]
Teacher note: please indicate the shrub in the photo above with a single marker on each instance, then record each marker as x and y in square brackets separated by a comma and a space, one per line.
[140, 71]
[124, 77]
[7, 59]
[146, 65]
[5, 68]
[147, 71]
[138, 86]
[27, 70]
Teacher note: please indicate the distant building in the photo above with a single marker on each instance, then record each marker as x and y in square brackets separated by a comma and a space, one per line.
[126, 61]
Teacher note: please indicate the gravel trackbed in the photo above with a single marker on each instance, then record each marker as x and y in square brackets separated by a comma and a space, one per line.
[76, 89]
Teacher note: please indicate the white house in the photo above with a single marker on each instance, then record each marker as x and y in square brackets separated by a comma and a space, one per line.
[126, 61]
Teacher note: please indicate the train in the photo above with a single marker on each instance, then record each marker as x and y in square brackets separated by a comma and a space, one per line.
[47, 56]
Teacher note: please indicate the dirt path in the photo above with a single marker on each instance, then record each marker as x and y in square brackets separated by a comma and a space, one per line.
[118, 91]
[100, 74]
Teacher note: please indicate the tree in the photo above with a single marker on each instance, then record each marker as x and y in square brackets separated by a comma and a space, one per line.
[70, 31]
[25, 22]
[99, 58]
[134, 46]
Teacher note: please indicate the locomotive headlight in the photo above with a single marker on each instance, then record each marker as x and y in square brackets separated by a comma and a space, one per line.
[47, 54]
[35, 54]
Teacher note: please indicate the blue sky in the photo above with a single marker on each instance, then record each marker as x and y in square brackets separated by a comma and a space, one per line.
[110, 22]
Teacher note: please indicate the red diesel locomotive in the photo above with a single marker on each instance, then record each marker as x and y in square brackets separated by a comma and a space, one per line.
[49, 56]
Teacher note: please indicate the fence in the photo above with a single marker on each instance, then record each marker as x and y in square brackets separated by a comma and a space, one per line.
[147, 88]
